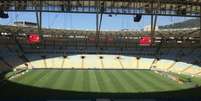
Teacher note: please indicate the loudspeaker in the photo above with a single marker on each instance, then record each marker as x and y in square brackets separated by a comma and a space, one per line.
[3, 15]
[137, 18]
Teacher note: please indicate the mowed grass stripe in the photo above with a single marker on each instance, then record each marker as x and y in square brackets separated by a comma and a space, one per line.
[52, 79]
[69, 80]
[193, 83]
[77, 84]
[124, 81]
[100, 80]
[35, 77]
[169, 84]
[86, 81]
[44, 79]
[93, 82]
[143, 81]
[196, 80]
[23, 77]
[103, 82]
[115, 81]
[63, 80]
[132, 81]
[60, 79]
[149, 80]
[157, 80]
[145, 86]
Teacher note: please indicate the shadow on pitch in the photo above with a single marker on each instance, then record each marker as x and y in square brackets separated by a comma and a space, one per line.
[10, 89]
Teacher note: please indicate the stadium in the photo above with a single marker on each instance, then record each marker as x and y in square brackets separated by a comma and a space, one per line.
[50, 64]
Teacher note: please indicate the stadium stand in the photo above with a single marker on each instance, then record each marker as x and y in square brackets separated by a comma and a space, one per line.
[85, 61]
[79, 51]
[145, 63]
[180, 60]
[168, 50]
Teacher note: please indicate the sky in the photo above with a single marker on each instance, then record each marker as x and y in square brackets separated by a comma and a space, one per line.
[88, 21]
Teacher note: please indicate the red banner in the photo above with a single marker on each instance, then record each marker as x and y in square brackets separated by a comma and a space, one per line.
[33, 38]
[145, 41]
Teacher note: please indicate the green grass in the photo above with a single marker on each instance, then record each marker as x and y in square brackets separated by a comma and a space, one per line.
[106, 81]
[196, 80]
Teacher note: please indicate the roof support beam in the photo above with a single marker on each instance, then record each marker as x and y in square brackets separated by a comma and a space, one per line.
[99, 16]
[97, 22]
[200, 26]
[39, 16]
[153, 25]
[171, 66]
[153, 20]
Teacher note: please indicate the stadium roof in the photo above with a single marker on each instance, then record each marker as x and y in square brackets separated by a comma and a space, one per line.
[130, 7]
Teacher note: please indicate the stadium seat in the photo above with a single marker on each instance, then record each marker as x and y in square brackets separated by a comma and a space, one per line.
[91, 61]
[57, 62]
[145, 63]
[179, 66]
[110, 61]
[129, 62]
[193, 70]
[163, 64]
[38, 64]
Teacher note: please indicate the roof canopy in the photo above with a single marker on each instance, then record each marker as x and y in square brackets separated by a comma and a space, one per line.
[129, 7]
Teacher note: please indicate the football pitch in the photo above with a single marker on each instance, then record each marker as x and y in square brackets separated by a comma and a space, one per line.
[101, 81]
